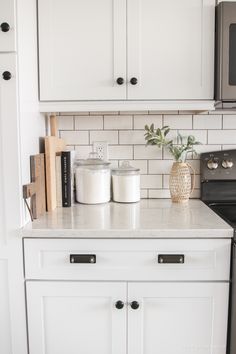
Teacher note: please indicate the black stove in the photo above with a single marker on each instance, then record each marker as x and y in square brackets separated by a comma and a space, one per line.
[225, 210]
[218, 191]
[218, 183]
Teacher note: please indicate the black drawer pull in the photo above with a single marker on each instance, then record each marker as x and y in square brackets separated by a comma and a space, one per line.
[83, 258]
[171, 258]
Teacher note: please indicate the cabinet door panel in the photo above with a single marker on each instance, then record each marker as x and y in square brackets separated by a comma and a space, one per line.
[7, 36]
[171, 49]
[10, 203]
[76, 318]
[180, 318]
[5, 329]
[82, 49]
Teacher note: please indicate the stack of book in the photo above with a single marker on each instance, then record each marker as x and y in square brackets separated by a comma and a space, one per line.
[65, 178]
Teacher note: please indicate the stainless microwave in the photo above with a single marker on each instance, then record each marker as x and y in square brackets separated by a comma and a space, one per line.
[225, 66]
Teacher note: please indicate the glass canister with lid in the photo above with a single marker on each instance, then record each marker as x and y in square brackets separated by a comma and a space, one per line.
[93, 180]
[126, 183]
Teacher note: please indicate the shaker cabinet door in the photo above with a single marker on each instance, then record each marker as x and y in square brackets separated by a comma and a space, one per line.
[7, 26]
[82, 49]
[171, 49]
[180, 318]
[72, 317]
[10, 203]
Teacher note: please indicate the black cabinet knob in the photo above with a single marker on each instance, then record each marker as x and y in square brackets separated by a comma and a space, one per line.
[119, 305]
[134, 305]
[120, 81]
[6, 75]
[134, 81]
[5, 27]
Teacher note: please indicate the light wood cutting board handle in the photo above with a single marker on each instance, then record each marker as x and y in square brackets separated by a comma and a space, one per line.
[53, 125]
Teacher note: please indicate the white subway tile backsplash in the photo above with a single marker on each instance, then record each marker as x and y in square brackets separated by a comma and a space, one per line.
[114, 164]
[75, 137]
[159, 193]
[118, 122]
[65, 123]
[229, 121]
[70, 147]
[200, 135]
[141, 120]
[229, 147]
[178, 121]
[159, 167]
[165, 194]
[196, 194]
[197, 181]
[118, 152]
[88, 122]
[82, 152]
[195, 165]
[151, 181]
[222, 137]
[110, 136]
[166, 179]
[144, 193]
[147, 152]
[207, 121]
[205, 148]
[132, 137]
[124, 131]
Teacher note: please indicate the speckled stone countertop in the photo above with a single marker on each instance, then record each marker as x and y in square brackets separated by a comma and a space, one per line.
[153, 218]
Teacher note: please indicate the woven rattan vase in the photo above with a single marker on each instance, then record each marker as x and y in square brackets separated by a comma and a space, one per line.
[181, 184]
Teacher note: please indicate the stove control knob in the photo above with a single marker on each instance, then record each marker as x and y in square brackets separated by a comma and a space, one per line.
[212, 164]
[227, 163]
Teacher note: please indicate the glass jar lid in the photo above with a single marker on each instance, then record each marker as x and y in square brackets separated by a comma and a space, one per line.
[93, 161]
[125, 169]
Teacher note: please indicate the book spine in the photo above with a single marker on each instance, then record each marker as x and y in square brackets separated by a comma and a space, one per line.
[58, 181]
[66, 178]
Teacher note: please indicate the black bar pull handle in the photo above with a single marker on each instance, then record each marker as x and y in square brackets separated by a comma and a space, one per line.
[171, 258]
[83, 258]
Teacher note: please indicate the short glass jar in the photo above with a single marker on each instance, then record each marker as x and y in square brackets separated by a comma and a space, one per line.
[126, 183]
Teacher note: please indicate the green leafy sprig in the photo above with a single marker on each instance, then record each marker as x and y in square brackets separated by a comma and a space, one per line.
[159, 137]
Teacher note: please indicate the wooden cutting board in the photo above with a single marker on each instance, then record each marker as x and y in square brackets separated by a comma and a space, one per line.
[53, 145]
[36, 190]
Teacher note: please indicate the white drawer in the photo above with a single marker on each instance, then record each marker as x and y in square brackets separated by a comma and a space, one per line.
[126, 259]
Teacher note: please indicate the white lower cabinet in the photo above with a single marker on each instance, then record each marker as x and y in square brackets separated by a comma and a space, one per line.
[178, 318]
[155, 317]
[76, 317]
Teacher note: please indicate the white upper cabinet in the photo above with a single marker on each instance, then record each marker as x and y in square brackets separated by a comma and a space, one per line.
[82, 49]
[159, 50]
[7, 26]
[10, 202]
[171, 49]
